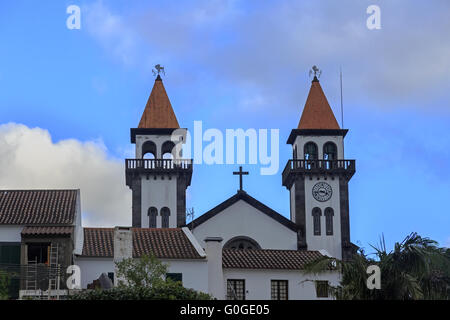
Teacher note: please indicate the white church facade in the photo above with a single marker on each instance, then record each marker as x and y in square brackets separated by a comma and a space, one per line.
[240, 249]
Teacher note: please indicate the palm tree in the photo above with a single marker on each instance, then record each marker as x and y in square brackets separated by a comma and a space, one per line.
[415, 269]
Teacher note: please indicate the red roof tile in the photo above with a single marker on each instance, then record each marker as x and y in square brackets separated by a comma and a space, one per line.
[36, 230]
[167, 243]
[158, 112]
[317, 113]
[268, 259]
[37, 207]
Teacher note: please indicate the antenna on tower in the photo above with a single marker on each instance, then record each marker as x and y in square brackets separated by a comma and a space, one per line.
[342, 109]
[342, 103]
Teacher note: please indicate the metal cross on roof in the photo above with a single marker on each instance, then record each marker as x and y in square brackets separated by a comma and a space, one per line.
[159, 69]
[240, 173]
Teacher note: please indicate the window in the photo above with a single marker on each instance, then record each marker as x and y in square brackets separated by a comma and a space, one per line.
[149, 150]
[294, 153]
[329, 151]
[175, 276]
[310, 151]
[279, 289]
[242, 242]
[165, 214]
[322, 289]
[38, 252]
[235, 289]
[316, 213]
[329, 213]
[152, 214]
[167, 150]
[330, 154]
[111, 276]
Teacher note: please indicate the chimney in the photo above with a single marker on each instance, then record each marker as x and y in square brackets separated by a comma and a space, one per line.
[215, 271]
[123, 246]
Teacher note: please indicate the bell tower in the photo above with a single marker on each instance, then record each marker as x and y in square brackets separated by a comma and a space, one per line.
[158, 176]
[317, 178]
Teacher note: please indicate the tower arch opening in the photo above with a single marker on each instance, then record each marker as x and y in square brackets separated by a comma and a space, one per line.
[149, 150]
[167, 150]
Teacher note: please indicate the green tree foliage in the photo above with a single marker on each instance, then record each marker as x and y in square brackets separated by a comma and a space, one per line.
[143, 279]
[166, 290]
[415, 269]
[4, 285]
[147, 271]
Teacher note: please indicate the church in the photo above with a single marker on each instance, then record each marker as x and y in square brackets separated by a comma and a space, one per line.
[239, 250]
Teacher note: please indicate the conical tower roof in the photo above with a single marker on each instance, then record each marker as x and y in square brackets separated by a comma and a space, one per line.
[158, 112]
[317, 113]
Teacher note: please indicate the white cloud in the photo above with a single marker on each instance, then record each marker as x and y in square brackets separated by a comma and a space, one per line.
[29, 159]
[111, 31]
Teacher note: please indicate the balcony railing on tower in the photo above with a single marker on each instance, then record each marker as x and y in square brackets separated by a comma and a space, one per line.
[158, 166]
[303, 166]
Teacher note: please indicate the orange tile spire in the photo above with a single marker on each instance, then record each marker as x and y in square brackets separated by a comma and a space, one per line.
[158, 112]
[317, 113]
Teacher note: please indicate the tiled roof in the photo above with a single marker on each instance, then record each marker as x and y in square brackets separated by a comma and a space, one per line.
[158, 112]
[98, 242]
[268, 259]
[317, 113]
[167, 243]
[37, 206]
[36, 230]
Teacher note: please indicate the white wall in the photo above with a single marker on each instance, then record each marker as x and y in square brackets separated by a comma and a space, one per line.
[242, 219]
[258, 282]
[195, 272]
[92, 268]
[159, 193]
[10, 233]
[157, 139]
[300, 141]
[332, 243]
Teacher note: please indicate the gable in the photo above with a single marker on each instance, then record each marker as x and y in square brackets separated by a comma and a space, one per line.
[240, 217]
[243, 196]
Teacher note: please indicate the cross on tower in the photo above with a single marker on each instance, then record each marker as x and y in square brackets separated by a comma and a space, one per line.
[240, 173]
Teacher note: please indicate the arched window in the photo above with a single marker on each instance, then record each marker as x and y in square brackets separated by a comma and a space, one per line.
[329, 213]
[241, 243]
[149, 150]
[329, 151]
[167, 150]
[330, 154]
[165, 214]
[310, 151]
[152, 214]
[316, 213]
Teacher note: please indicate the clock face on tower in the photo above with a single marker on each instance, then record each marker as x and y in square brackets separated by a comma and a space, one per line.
[322, 191]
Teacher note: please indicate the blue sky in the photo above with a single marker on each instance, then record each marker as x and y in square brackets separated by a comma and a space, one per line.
[233, 64]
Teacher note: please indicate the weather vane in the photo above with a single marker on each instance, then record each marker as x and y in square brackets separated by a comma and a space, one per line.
[317, 72]
[159, 69]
